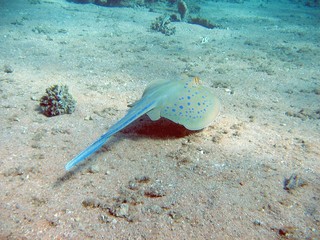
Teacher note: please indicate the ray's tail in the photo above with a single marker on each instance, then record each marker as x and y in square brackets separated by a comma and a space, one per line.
[140, 108]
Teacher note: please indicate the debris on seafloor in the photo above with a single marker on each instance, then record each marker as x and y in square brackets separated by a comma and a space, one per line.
[293, 182]
[136, 198]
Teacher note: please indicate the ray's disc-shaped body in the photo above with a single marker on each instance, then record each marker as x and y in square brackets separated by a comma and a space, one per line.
[185, 102]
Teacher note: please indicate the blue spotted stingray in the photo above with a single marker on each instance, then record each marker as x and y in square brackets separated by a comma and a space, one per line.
[185, 102]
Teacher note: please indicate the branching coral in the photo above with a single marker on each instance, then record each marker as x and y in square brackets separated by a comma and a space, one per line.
[57, 101]
[161, 24]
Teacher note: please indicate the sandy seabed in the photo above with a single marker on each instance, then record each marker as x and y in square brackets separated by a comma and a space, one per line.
[155, 180]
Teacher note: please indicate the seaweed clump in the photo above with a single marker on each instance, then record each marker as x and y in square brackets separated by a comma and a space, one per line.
[57, 101]
[204, 23]
[182, 9]
[161, 24]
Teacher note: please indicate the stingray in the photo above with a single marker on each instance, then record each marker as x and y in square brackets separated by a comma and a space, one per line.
[184, 102]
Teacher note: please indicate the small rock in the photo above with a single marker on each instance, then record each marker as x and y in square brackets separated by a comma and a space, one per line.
[17, 171]
[120, 210]
[156, 190]
[88, 118]
[175, 215]
[287, 231]
[91, 202]
[184, 161]
[257, 222]
[293, 182]
[142, 179]
[104, 218]
[38, 201]
[252, 118]
[94, 169]
[154, 209]
[290, 113]
[8, 69]
[317, 91]
[216, 138]
[53, 222]
[133, 185]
